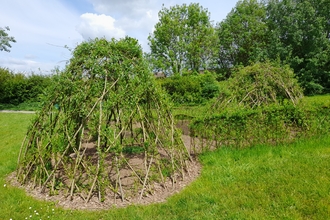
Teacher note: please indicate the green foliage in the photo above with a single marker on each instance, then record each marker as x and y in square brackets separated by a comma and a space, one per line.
[296, 32]
[25, 106]
[5, 39]
[191, 89]
[300, 37]
[263, 182]
[104, 108]
[272, 124]
[242, 36]
[18, 88]
[260, 104]
[183, 39]
[259, 84]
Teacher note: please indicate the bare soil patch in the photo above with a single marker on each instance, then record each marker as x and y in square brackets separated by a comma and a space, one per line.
[156, 193]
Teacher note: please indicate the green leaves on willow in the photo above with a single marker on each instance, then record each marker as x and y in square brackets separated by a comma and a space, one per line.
[102, 110]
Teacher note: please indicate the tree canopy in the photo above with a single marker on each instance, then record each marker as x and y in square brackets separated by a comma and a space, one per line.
[182, 39]
[301, 38]
[5, 39]
[243, 36]
[293, 31]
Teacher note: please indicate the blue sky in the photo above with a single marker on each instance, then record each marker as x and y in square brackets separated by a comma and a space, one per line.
[42, 28]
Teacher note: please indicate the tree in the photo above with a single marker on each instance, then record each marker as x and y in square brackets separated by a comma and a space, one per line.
[183, 39]
[5, 39]
[300, 31]
[242, 36]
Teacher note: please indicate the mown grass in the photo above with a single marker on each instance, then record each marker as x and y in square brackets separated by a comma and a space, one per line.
[25, 106]
[188, 112]
[317, 100]
[263, 182]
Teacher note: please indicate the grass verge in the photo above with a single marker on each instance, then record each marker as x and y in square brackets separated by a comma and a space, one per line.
[25, 106]
[263, 182]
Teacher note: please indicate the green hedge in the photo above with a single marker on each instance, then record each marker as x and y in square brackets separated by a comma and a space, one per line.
[191, 89]
[269, 125]
[17, 88]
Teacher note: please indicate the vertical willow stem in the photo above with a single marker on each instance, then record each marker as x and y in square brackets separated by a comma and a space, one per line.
[119, 180]
[145, 179]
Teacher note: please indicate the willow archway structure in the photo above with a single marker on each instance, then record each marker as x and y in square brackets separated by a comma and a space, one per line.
[105, 129]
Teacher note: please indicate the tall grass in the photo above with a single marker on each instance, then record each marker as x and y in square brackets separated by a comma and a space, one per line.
[262, 182]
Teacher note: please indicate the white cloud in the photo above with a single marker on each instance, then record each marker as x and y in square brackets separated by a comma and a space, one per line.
[130, 8]
[144, 23]
[93, 25]
[42, 28]
[136, 17]
[27, 65]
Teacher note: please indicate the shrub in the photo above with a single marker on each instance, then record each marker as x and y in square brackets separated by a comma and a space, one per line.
[191, 89]
[272, 124]
[17, 88]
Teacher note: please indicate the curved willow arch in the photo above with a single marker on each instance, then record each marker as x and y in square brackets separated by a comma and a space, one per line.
[102, 115]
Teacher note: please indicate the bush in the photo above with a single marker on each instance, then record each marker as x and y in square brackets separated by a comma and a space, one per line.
[18, 88]
[191, 89]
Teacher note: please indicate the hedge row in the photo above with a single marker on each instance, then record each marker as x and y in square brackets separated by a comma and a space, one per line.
[19, 88]
[271, 125]
[190, 89]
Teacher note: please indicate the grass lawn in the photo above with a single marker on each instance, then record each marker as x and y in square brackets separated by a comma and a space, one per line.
[26, 106]
[263, 182]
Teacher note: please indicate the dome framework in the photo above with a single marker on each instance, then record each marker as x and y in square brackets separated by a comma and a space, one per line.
[105, 130]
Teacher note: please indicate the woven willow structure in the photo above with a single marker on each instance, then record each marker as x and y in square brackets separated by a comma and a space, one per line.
[258, 85]
[105, 129]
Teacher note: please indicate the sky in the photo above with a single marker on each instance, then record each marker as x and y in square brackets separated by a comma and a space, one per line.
[46, 30]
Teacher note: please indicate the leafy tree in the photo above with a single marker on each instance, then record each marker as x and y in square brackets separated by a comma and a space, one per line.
[182, 39]
[5, 39]
[242, 36]
[301, 37]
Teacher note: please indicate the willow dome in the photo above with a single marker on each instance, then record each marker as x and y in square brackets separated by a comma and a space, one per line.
[106, 129]
[259, 85]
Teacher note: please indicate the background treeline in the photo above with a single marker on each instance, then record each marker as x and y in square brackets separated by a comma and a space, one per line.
[186, 45]
[289, 32]
[17, 88]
